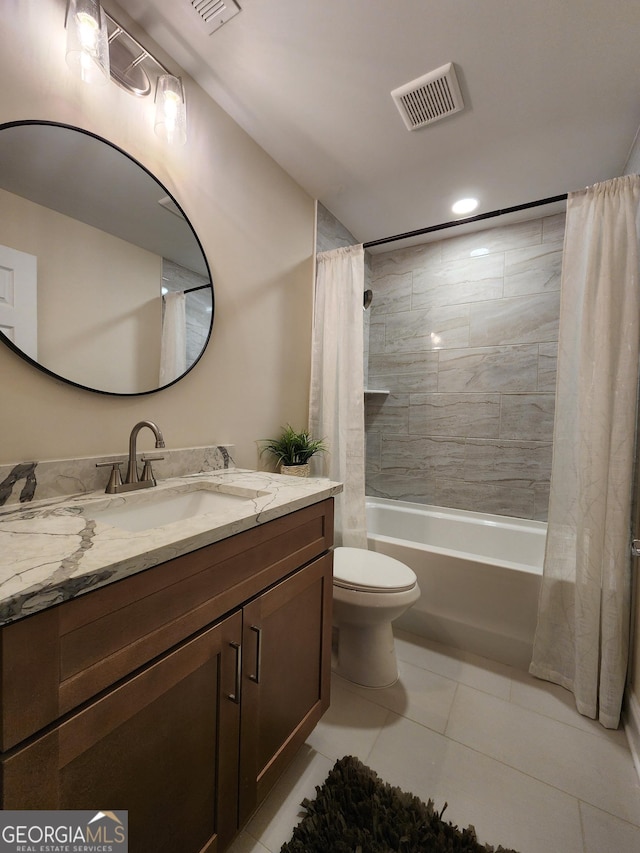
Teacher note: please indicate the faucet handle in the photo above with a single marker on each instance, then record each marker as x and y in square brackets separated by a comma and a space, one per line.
[147, 471]
[115, 480]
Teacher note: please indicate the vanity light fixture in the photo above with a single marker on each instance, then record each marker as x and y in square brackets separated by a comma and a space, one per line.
[87, 41]
[98, 47]
[170, 123]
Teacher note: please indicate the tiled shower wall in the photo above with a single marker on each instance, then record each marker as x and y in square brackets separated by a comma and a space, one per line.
[463, 336]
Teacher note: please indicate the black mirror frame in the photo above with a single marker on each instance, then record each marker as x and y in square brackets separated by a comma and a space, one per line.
[5, 340]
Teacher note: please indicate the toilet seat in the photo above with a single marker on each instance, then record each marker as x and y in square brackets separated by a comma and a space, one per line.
[368, 571]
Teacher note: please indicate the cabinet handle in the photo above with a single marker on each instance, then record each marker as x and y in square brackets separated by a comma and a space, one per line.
[258, 633]
[235, 696]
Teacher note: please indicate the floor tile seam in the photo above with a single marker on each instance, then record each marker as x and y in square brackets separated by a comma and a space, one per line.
[453, 701]
[583, 834]
[599, 737]
[381, 704]
[428, 669]
[460, 681]
[573, 726]
[372, 701]
[254, 839]
[405, 716]
[386, 720]
[535, 778]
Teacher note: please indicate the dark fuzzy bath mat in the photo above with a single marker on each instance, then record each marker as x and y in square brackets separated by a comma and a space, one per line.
[356, 812]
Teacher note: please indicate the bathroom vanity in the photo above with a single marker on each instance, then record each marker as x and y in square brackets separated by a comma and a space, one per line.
[177, 690]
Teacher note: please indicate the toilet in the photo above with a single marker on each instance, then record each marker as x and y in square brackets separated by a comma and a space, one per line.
[370, 590]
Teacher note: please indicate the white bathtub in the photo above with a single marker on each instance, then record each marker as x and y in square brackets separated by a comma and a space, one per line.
[479, 575]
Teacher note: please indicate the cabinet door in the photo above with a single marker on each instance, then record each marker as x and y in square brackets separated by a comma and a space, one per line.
[286, 678]
[156, 745]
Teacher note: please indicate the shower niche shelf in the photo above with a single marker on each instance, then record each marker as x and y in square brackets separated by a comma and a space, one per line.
[375, 392]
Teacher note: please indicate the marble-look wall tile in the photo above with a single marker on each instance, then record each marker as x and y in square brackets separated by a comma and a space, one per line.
[501, 369]
[397, 364]
[388, 414]
[547, 366]
[401, 261]
[470, 366]
[374, 443]
[417, 488]
[497, 239]
[458, 282]
[429, 455]
[516, 320]
[62, 477]
[456, 415]
[418, 383]
[553, 228]
[430, 329]
[541, 493]
[527, 416]
[392, 293]
[376, 338]
[511, 463]
[497, 499]
[536, 269]
[404, 372]
[330, 232]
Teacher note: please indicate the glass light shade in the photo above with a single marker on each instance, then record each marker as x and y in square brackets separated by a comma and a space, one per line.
[87, 41]
[171, 114]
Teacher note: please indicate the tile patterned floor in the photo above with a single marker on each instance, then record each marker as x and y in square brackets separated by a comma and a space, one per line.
[508, 753]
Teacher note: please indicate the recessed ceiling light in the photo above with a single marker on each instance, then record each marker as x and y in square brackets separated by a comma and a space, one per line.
[465, 205]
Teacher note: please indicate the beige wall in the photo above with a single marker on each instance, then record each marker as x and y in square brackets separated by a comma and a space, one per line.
[257, 229]
[86, 305]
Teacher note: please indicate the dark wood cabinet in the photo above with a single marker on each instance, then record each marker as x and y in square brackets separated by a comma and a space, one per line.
[151, 746]
[190, 740]
[286, 676]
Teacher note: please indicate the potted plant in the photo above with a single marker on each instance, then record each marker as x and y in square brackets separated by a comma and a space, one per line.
[292, 450]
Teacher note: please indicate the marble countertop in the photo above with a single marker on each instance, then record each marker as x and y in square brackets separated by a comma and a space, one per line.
[53, 550]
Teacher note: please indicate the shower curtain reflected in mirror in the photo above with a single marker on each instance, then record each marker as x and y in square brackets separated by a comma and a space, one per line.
[582, 636]
[173, 349]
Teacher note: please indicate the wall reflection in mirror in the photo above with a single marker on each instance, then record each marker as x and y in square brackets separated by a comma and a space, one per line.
[89, 242]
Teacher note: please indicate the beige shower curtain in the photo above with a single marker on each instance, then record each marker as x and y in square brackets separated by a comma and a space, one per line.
[336, 405]
[173, 344]
[582, 635]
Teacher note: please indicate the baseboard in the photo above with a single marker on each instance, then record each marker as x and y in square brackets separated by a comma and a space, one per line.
[631, 721]
[479, 640]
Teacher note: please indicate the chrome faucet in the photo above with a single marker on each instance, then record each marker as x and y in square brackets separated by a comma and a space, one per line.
[132, 479]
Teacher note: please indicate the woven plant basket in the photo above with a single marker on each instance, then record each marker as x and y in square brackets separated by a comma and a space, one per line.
[296, 470]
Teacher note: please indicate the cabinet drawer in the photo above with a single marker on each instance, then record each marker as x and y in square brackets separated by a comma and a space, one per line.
[57, 659]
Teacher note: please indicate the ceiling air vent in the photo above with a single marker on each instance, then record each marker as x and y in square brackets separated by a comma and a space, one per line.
[215, 13]
[429, 98]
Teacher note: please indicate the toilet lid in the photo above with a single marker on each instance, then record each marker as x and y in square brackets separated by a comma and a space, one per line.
[357, 568]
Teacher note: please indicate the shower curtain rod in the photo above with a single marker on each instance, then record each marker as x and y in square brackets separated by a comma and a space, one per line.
[480, 216]
[191, 289]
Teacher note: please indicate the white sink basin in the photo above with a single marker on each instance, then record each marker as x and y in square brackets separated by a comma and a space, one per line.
[145, 510]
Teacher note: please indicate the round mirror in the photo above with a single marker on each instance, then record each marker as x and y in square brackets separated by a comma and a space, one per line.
[94, 256]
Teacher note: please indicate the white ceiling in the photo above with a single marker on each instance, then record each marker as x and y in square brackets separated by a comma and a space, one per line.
[551, 88]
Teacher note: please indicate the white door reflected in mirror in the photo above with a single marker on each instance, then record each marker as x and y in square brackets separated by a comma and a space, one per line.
[19, 299]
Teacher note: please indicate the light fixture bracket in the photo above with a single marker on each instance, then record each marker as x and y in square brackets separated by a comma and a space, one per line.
[132, 67]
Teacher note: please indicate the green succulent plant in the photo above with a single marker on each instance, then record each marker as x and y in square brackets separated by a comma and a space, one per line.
[293, 447]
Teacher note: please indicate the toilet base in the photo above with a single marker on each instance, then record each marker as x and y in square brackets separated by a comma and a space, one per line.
[367, 654]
